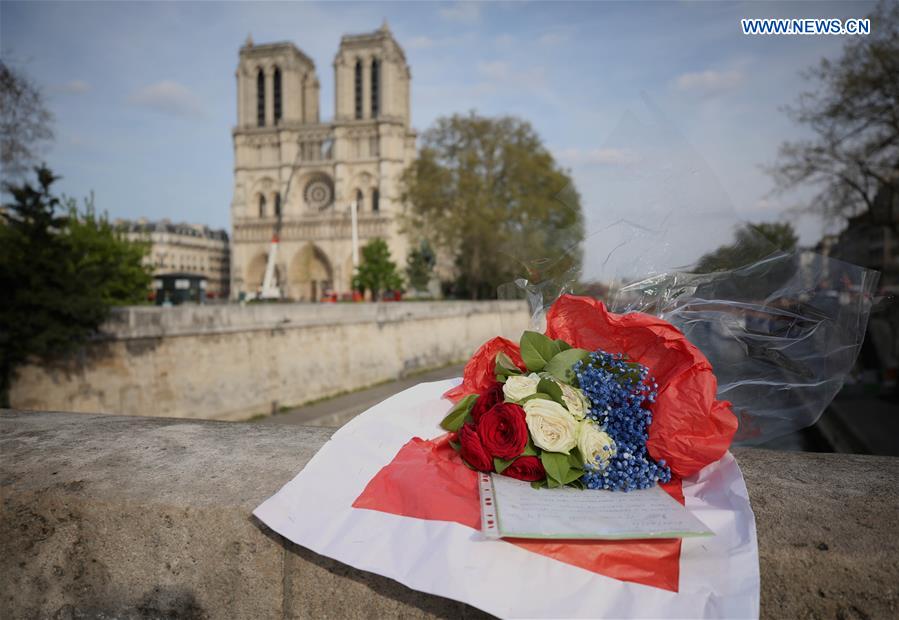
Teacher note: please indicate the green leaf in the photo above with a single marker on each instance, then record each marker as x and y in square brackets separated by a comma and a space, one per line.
[505, 366]
[539, 484]
[500, 465]
[551, 389]
[572, 475]
[552, 484]
[530, 449]
[577, 484]
[533, 396]
[563, 346]
[556, 465]
[560, 365]
[456, 417]
[574, 458]
[537, 350]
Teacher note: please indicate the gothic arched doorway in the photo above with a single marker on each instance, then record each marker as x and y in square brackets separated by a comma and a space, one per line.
[255, 274]
[310, 275]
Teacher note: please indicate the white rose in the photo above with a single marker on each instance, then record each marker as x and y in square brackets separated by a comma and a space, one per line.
[575, 401]
[552, 427]
[594, 444]
[518, 387]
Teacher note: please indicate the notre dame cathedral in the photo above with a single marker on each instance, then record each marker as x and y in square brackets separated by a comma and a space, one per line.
[296, 176]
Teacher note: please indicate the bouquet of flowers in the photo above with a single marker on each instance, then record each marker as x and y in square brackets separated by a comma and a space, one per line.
[601, 401]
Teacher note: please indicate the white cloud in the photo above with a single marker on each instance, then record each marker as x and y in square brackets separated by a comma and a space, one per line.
[168, 97]
[494, 69]
[74, 87]
[597, 157]
[533, 77]
[461, 12]
[708, 81]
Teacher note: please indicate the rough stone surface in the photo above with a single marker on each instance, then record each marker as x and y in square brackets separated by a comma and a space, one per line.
[826, 529]
[125, 517]
[231, 362]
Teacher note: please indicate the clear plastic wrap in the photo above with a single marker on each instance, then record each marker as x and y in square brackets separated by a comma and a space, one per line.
[781, 330]
[781, 333]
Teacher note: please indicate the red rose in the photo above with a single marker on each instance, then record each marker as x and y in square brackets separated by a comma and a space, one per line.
[528, 468]
[472, 450]
[503, 431]
[486, 401]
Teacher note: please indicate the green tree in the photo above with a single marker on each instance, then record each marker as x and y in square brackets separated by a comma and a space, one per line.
[752, 242]
[420, 266]
[376, 272]
[110, 265]
[490, 195]
[59, 275]
[853, 116]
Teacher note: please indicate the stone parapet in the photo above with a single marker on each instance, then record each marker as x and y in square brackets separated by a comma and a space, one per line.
[231, 362]
[132, 517]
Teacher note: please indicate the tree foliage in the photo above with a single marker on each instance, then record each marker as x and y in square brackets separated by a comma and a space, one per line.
[376, 272]
[25, 122]
[420, 266]
[854, 117]
[60, 272]
[752, 242]
[490, 195]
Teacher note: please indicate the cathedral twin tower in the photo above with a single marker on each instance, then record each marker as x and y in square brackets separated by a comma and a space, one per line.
[297, 174]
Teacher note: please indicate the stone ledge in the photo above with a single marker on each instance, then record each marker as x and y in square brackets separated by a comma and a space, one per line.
[138, 322]
[107, 516]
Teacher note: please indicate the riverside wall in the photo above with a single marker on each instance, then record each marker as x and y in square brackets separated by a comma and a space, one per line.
[131, 517]
[231, 362]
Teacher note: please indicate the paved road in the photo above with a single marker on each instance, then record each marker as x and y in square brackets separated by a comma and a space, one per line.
[340, 410]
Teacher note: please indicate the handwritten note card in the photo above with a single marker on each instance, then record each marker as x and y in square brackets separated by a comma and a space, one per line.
[513, 509]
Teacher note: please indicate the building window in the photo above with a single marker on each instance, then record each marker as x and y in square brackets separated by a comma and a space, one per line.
[375, 87]
[375, 200]
[277, 205]
[358, 89]
[360, 200]
[277, 94]
[261, 205]
[260, 99]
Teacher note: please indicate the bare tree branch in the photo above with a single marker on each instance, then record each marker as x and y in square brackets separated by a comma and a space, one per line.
[25, 122]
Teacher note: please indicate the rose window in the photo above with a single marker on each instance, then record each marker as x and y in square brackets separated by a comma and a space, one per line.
[319, 193]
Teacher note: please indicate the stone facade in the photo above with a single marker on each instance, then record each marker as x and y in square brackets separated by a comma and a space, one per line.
[295, 176]
[184, 248]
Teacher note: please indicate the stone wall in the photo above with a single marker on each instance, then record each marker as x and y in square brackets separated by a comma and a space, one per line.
[124, 517]
[231, 362]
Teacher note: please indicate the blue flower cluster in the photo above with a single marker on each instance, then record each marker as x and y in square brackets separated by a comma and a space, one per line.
[617, 390]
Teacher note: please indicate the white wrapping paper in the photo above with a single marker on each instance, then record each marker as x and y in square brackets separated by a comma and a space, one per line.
[719, 575]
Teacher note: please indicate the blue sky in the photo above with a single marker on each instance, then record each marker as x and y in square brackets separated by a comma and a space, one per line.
[664, 112]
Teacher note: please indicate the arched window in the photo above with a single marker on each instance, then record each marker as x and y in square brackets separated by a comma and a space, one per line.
[277, 94]
[260, 98]
[277, 205]
[375, 87]
[357, 90]
[375, 200]
[360, 200]
[261, 205]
